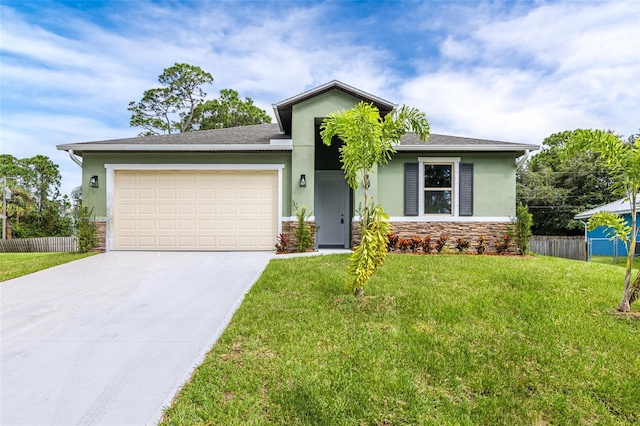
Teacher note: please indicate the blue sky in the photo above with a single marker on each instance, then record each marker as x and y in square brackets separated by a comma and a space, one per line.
[513, 70]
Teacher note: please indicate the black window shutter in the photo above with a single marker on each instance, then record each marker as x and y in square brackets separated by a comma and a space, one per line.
[411, 189]
[466, 189]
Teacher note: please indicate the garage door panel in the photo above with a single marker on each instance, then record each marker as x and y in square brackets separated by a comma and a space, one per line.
[166, 177]
[186, 177]
[127, 242]
[206, 194]
[127, 177]
[166, 225]
[227, 209]
[206, 225]
[206, 209]
[166, 209]
[146, 242]
[199, 210]
[146, 209]
[147, 194]
[166, 194]
[147, 225]
[186, 209]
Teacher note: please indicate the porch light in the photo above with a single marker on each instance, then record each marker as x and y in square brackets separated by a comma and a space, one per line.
[303, 180]
[93, 182]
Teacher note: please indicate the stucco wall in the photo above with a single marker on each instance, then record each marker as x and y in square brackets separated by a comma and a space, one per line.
[303, 136]
[494, 182]
[93, 164]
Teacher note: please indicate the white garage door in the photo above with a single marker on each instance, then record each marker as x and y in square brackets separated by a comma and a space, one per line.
[195, 210]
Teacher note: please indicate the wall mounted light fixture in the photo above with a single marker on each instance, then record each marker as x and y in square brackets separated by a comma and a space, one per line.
[93, 181]
[303, 180]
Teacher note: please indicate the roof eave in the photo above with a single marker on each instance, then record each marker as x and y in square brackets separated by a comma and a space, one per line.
[87, 147]
[466, 148]
[588, 214]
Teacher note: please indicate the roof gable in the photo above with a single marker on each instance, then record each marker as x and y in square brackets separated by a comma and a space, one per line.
[284, 109]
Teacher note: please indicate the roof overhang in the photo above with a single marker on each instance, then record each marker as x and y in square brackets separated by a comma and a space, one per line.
[283, 110]
[275, 145]
[620, 207]
[468, 148]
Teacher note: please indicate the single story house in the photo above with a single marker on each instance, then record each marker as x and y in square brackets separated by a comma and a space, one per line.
[232, 189]
[600, 238]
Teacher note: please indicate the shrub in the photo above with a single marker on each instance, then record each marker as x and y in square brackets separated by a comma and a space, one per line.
[415, 243]
[522, 228]
[502, 246]
[302, 234]
[393, 242]
[282, 246]
[441, 242]
[86, 229]
[461, 245]
[481, 244]
[403, 244]
[427, 245]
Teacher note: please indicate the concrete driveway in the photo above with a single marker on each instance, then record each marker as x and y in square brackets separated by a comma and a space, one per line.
[110, 339]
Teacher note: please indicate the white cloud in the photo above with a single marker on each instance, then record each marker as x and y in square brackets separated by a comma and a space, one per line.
[521, 78]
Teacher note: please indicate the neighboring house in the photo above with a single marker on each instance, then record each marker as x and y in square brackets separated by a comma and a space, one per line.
[232, 189]
[600, 238]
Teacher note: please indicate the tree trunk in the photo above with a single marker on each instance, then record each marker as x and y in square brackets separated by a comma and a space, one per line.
[625, 305]
[359, 292]
[635, 290]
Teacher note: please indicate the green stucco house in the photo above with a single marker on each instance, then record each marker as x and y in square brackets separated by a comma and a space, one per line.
[232, 189]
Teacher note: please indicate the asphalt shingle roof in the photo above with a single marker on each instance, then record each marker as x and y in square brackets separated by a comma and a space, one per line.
[256, 134]
[263, 134]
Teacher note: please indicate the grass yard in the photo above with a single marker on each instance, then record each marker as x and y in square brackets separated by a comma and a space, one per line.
[437, 340]
[622, 261]
[13, 265]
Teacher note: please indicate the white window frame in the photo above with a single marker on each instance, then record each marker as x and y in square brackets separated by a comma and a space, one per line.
[455, 164]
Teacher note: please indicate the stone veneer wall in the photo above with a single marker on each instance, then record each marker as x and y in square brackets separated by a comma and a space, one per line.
[102, 236]
[470, 231]
[288, 229]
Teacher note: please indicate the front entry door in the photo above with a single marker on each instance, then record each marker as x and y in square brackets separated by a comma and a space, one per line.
[332, 208]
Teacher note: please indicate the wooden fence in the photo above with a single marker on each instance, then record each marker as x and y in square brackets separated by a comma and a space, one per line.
[47, 244]
[565, 247]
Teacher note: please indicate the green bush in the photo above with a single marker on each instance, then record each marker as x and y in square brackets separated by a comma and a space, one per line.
[522, 228]
[302, 234]
[86, 229]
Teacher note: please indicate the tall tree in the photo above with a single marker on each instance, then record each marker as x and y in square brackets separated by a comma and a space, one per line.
[181, 105]
[36, 204]
[557, 185]
[21, 204]
[170, 109]
[622, 159]
[369, 140]
[42, 178]
[228, 111]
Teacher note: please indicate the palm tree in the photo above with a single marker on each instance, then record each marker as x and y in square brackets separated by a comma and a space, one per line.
[21, 204]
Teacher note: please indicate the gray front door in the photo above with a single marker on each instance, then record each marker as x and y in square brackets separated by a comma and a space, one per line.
[332, 208]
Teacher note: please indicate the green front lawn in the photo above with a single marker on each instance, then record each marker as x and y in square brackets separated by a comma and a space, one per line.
[436, 340]
[13, 265]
